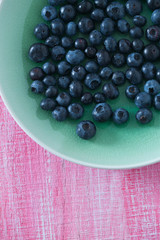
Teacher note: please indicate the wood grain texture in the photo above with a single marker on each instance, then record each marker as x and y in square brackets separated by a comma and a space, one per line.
[45, 197]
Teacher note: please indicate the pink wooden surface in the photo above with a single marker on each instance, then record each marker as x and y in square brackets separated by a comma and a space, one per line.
[45, 197]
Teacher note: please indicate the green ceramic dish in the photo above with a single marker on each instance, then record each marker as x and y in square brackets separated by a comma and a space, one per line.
[128, 146]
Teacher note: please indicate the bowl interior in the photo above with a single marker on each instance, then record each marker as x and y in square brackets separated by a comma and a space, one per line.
[130, 145]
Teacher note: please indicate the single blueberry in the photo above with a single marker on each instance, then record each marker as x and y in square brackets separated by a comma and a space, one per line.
[136, 32]
[92, 81]
[137, 45]
[106, 73]
[139, 20]
[75, 57]
[125, 46]
[144, 116]
[87, 98]
[49, 13]
[52, 41]
[101, 3]
[91, 67]
[75, 111]
[90, 52]
[51, 92]
[41, 31]
[86, 130]
[118, 78]
[103, 57]
[123, 26]
[151, 52]
[153, 4]
[36, 73]
[110, 91]
[37, 87]
[110, 44]
[134, 60]
[60, 113]
[64, 82]
[99, 97]
[57, 27]
[134, 7]
[78, 73]
[120, 116]
[132, 91]
[149, 70]
[67, 42]
[143, 100]
[49, 81]
[67, 12]
[85, 6]
[102, 112]
[107, 27]
[152, 87]
[80, 43]
[48, 104]
[157, 101]
[71, 28]
[58, 53]
[134, 76]
[63, 99]
[85, 25]
[64, 68]
[49, 68]
[95, 38]
[115, 10]
[153, 33]
[118, 59]
[97, 15]
[76, 89]
[38, 52]
[156, 17]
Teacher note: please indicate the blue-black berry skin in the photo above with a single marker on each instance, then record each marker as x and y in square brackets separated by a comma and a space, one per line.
[64, 68]
[110, 44]
[152, 87]
[49, 68]
[132, 91]
[38, 52]
[58, 27]
[63, 99]
[92, 81]
[143, 100]
[99, 97]
[49, 80]
[67, 12]
[106, 73]
[149, 70]
[115, 10]
[97, 15]
[90, 52]
[125, 46]
[118, 78]
[102, 112]
[123, 26]
[139, 20]
[42, 31]
[60, 114]
[134, 7]
[86, 130]
[67, 42]
[75, 111]
[118, 60]
[153, 33]
[110, 91]
[37, 87]
[80, 43]
[52, 41]
[120, 116]
[136, 32]
[134, 60]
[91, 67]
[58, 53]
[76, 89]
[75, 57]
[103, 58]
[153, 4]
[138, 45]
[107, 27]
[56, 2]
[87, 98]
[64, 81]
[51, 92]
[36, 73]
[49, 13]
[86, 25]
[134, 76]
[157, 101]
[95, 38]
[71, 29]
[78, 73]
[48, 104]
[151, 52]
[144, 116]
[156, 17]
[158, 75]
[101, 3]
[85, 6]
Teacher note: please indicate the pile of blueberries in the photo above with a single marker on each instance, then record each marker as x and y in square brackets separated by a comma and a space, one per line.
[77, 37]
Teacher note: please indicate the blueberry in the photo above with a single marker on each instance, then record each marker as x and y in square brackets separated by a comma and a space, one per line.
[86, 130]
[87, 98]
[97, 15]
[110, 91]
[149, 70]
[137, 45]
[115, 10]
[48, 104]
[118, 78]
[120, 116]
[107, 27]
[60, 114]
[76, 89]
[91, 67]
[57, 27]
[136, 32]
[90, 52]
[37, 87]
[63, 99]
[143, 100]
[78, 73]
[123, 26]
[153, 4]
[71, 28]
[133, 7]
[58, 53]
[85, 7]
[102, 112]
[67, 42]
[153, 33]
[36, 73]
[134, 60]
[106, 73]
[38, 52]
[41, 31]
[103, 57]
[156, 17]
[99, 97]
[67, 12]
[75, 57]
[151, 52]
[80, 43]
[51, 92]
[158, 75]
[92, 81]
[52, 41]
[157, 101]
[132, 91]
[56, 2]
[64, 82]
[85, 25]
[75, 111]
[152, 87]
[64, 68]
[144, 116]
[49, 81]
[125, 46]
[49, 13]
[49, 68]
[110, 44]
[95, 38]
[139, 20]
[118, 59]
[134, 76]
[101, 3]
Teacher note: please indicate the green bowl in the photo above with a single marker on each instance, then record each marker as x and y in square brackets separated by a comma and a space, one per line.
[114, 147]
